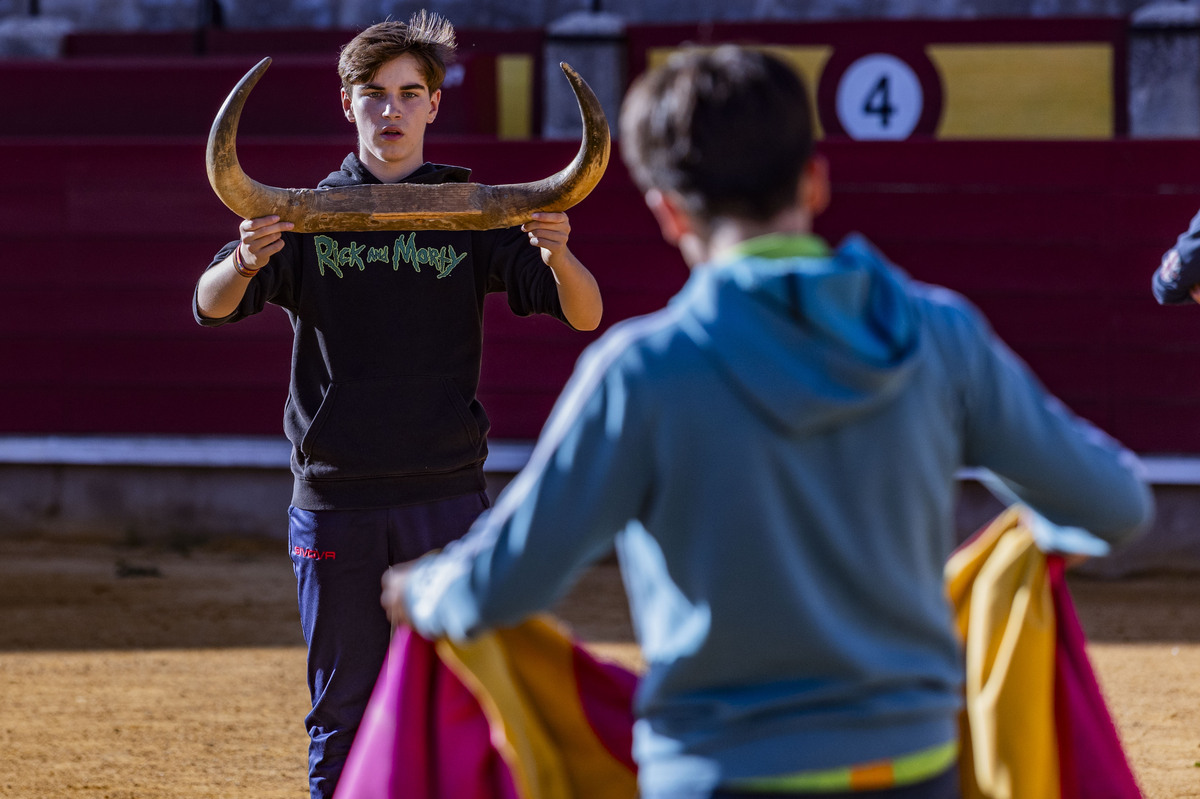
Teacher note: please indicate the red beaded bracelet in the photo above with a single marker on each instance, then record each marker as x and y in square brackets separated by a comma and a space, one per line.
[240, 265]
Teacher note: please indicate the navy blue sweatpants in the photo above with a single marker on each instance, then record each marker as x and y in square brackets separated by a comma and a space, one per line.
[339, 557]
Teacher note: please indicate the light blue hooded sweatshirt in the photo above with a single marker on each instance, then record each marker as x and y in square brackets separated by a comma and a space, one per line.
[774, 455]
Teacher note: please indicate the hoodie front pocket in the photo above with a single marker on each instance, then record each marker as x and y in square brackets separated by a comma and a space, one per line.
[390, 427]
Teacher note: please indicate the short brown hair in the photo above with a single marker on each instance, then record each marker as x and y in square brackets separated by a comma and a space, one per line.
[427, 36]
[728, 130]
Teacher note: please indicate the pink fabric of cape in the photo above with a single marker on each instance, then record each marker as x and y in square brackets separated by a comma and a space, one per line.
[1091, 760]
[520, 713]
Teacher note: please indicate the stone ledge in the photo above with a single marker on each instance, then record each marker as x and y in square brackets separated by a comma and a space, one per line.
[191, 452]
[274, 452]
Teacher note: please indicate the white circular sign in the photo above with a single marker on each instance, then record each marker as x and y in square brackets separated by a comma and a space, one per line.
[879, 97]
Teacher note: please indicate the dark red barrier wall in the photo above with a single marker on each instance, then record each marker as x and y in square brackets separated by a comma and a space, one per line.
[1055, 241]
[297, 96]
[172, 83]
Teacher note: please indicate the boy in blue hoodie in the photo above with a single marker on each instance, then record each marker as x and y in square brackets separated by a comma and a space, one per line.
[774, 455]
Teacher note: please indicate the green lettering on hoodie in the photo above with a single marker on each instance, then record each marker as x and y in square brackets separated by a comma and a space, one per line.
[404, 250]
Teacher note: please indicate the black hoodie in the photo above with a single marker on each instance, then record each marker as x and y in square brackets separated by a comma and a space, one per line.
[388, 326]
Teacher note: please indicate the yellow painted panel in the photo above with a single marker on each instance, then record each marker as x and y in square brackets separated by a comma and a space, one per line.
[1025, 91]
[514, 90]
[808, 60]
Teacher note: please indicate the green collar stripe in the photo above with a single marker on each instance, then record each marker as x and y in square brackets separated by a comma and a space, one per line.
[780, 245]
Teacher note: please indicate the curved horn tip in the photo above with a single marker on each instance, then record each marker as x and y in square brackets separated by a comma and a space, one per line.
[574, 78]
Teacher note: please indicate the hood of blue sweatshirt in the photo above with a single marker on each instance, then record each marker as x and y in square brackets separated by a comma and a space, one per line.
[810, 337]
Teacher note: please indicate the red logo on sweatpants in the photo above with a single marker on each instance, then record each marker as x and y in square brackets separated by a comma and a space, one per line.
[313, 554]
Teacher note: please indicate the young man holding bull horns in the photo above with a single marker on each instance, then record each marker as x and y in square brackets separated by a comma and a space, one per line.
[388, 436]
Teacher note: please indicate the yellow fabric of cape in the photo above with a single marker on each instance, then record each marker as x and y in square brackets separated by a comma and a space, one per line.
[526, 682]
[999, 587]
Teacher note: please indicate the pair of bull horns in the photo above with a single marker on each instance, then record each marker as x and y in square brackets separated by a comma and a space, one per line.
[404, 206]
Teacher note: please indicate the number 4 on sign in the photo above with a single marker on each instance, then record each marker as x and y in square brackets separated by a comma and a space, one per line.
[879, 102]
[879, 97]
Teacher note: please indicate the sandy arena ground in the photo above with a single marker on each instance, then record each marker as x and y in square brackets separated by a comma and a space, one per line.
[145, 673]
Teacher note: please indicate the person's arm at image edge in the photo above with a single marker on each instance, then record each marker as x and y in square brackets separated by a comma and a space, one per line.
[1177, 279]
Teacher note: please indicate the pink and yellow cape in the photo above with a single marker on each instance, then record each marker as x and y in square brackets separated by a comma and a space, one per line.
[527, 713]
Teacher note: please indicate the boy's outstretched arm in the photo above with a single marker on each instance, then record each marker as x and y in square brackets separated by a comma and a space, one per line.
[584, 484]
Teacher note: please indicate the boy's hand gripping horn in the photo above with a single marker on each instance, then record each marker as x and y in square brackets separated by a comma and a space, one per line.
[402, 206]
